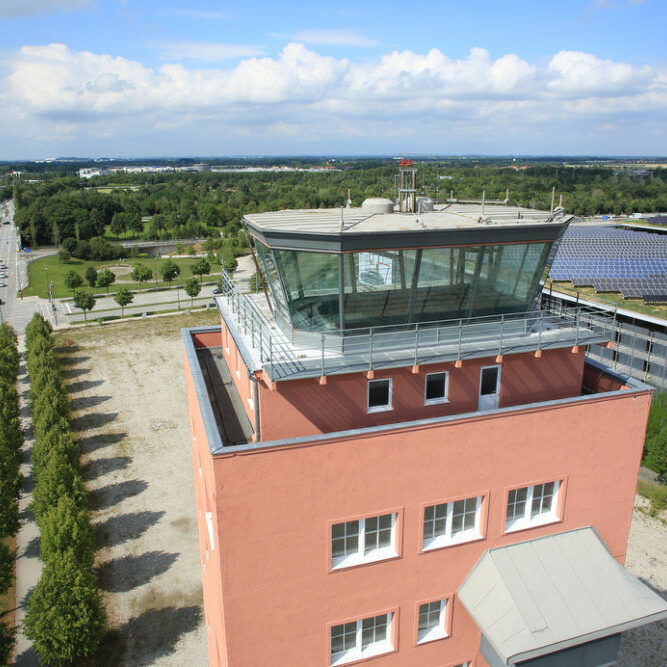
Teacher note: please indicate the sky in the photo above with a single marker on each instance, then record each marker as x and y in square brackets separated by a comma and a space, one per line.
[140, 78]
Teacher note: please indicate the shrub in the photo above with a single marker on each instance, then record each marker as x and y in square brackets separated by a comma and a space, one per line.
[65, 618]
[66, 527]
[7, 559]
[57, 478]
[7, 640]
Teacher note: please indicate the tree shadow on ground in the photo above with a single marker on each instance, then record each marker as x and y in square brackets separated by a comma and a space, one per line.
[101, 467]
[32, 550]
[84, 402]
[67, 360]
[93, 420]
[123, 574]
[83, 385]
[154, 633]
[69, 373]
[112, 494]
[65, 350]
[92, 443]
[119, 529]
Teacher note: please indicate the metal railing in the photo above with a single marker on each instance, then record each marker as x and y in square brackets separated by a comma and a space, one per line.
[309, 354]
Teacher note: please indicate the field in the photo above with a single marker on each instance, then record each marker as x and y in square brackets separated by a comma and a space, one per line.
[127, 389]
[52, 268]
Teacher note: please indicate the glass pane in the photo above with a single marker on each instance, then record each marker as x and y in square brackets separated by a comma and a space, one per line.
[378, 287]
[311, 282]
[270, 269]
[378, 393]
[435, 386]
[489, 381]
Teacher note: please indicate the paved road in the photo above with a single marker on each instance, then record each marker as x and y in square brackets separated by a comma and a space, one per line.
[13, 310]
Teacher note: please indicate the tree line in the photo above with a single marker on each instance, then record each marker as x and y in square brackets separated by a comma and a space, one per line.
[11, 439]
[202, 204]
[65, 618]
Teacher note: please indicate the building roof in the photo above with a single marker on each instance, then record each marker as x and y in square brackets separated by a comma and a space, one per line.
[551, 593]
[357, 227]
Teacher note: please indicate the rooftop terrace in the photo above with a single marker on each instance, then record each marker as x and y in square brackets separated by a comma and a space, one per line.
[301, 354]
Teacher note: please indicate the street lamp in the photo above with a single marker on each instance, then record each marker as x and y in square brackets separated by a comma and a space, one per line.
[46, 268]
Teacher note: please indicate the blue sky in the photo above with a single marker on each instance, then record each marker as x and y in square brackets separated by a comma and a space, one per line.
[132, 78]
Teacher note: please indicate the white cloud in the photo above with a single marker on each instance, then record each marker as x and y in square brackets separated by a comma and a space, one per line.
[198, 14]
[303, 96]
[206, 51]
[335, 37]
[13, 8]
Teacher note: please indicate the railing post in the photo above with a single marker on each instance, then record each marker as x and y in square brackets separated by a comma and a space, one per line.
[270, 359]
[458, 356]
[539, 340]
[648, 355]
[502, 326]
[576, 328]
[370, 349]
[261, 343]
[416, 344]
[632, 354]
[322, 340]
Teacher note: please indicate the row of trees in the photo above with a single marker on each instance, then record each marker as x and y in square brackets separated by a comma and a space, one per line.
[65, 618]
[655, 445]
[11, 439]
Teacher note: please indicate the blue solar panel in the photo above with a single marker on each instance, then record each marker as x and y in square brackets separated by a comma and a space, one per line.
[612, 259]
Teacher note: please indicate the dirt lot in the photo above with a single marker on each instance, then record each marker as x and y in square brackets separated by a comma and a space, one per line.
[127, 387]
[128, 392]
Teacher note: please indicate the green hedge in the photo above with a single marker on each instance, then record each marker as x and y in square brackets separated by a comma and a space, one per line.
[65, 618]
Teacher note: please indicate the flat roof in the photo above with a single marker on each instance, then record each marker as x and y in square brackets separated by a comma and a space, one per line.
[361, 227]
[551, 593]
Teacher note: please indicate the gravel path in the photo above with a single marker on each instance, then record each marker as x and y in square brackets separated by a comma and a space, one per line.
[127, 388]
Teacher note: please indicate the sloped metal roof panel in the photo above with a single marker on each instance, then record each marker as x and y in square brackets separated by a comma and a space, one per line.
[544, 595]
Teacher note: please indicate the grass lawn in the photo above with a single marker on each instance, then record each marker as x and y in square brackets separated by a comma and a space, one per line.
[57, 269]
[611, 299]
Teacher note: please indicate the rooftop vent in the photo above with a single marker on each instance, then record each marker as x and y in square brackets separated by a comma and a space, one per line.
[424, 204]
[374, 205]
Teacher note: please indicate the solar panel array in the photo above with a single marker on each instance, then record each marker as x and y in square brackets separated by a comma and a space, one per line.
[611, 259]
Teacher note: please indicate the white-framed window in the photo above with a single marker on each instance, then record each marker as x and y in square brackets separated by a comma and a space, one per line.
[532, 506]
[379, 395]
[432, 621]
[363, 540]
[453, 522]
[435, 388]
[364, 638]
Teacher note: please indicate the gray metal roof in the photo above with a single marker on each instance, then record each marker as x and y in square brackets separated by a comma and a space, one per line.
[349, 229]
[551, 593]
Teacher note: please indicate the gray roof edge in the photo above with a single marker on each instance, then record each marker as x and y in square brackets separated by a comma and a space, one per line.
[621, 377]
[417, 423]
[236, 335]
[591, 636]
[215, 442]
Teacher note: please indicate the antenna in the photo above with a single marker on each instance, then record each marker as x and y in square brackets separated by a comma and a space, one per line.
[342, 219]
[349, 201]
[483, 201]
[407, 188]
[507, 196]
[560, 201]
[553, 197]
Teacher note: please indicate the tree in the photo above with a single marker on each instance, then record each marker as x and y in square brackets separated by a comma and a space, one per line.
[85, 300]
[65, 618]
[123, 298]
[200, 268]
[105, 278]
[192, 289]
[134, 222]
[7, 639]
[57, 478]
[169, 270]
[7, 559]
[91, 276]
[141, 273]
[73, 280]
[66, 527]
[64, 255]
[118, 224]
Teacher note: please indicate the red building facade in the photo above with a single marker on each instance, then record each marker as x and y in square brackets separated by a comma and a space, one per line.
[348, 479]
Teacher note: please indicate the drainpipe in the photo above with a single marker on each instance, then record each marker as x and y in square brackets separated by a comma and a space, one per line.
[255, 401]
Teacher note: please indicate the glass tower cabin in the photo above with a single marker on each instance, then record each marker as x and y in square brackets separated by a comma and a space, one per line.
[339, 270]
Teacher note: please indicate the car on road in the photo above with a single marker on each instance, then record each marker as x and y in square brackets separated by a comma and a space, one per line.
[217, 290]
[3, 284]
